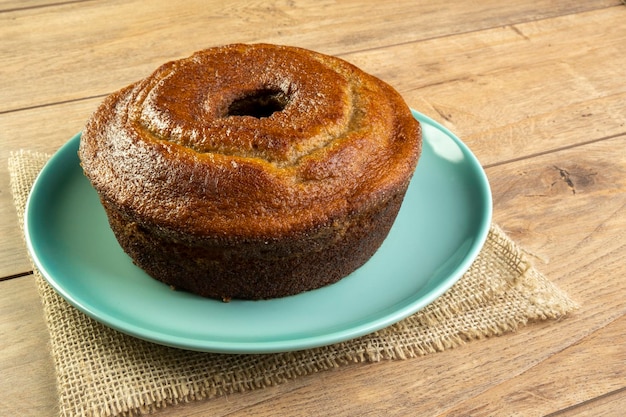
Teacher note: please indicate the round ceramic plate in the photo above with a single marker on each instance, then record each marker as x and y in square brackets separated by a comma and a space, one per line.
[439, 231]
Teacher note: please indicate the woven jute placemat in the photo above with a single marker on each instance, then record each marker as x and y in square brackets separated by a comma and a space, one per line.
[101, 372]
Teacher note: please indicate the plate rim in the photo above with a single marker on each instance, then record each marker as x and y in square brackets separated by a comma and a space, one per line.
[282, 345]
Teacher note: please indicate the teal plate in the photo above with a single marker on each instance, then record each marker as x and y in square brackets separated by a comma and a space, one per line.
[439, 231]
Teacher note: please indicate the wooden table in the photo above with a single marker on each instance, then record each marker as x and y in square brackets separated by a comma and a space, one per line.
[537, 89]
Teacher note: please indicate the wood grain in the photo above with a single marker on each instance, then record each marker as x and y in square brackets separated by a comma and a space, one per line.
[122, 45]
[609, 405]
[559, 380]
[34, 129]
[477, 85]
[536, 89]
[28, 384]
[20, 5]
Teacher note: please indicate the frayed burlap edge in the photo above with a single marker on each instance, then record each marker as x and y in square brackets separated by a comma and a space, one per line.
[101, 372]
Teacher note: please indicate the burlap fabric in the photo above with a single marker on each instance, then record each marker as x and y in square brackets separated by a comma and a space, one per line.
[101, 372]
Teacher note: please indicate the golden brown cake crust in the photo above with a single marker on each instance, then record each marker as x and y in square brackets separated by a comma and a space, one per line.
[248, 147]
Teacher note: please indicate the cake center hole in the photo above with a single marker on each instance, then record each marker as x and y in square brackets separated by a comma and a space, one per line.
[260, 103]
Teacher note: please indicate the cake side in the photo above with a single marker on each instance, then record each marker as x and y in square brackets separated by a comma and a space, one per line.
[258, 268]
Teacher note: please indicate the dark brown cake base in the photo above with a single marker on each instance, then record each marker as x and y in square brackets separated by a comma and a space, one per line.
[228, 268]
